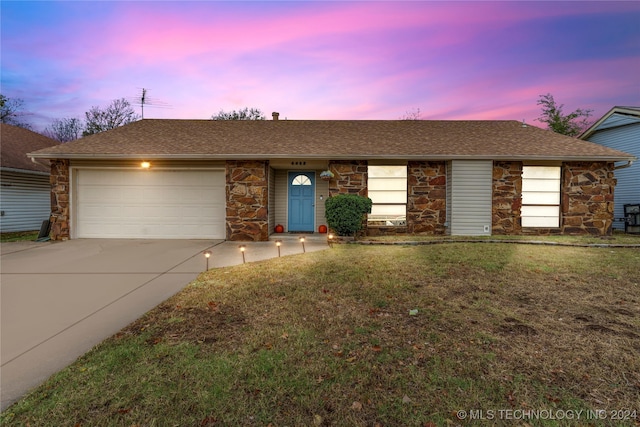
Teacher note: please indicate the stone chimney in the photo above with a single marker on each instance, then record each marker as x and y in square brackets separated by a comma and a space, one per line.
[275, 115]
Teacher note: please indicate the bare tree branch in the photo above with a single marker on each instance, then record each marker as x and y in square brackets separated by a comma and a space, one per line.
[64, 130]
[116, 114]
[11, 112]
[244, 114]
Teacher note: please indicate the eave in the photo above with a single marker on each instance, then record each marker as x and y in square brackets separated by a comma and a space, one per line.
[498, 157]
[619, 110]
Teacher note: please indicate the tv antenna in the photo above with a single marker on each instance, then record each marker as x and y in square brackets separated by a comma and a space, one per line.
[144, 99]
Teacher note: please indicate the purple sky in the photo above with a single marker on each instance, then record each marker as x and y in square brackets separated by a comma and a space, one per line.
[321, 60]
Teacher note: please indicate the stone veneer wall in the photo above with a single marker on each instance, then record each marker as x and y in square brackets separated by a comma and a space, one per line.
[587, 190]
[426, 197]
[507, 197]
[587, 197]
[247, 200]
[350, 176]
[59, 218]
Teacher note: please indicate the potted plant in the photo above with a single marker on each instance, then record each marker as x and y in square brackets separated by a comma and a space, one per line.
[326, 175]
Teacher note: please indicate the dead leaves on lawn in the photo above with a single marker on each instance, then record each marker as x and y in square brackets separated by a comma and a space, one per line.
[562, 329]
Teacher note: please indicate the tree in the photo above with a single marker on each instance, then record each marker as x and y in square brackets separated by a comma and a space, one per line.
[244, 114]
[64, 130]
[572, 124]
[118, 113]
[11, 111]
[412, 115]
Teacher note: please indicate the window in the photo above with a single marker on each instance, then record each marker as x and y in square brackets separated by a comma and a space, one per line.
[301, 180]
[387, 186]
[540, 196]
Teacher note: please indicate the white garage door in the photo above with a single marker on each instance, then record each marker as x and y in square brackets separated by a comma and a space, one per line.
[153, 204]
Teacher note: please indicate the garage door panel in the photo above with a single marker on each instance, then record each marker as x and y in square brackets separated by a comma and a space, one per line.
[150, 204]
[131, 193]
[100, 193]
[193, 194]
[194, 212]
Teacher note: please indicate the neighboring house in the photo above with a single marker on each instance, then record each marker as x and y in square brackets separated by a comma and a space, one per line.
[620, 129]
[25, 191]
[237, 180]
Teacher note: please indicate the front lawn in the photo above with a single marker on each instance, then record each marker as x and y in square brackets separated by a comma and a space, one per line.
[372, 335]
[19, 236]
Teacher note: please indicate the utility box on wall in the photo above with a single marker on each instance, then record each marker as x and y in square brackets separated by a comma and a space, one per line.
[632, 218]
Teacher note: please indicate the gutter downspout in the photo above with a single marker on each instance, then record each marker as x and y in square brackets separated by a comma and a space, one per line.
[628, 164]
[34, 160]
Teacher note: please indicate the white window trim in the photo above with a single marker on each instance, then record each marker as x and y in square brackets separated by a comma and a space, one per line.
[541, 214]
[392, 220]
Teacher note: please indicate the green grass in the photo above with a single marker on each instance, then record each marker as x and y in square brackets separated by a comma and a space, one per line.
[617, 238]
[326, 338]
[18, 236]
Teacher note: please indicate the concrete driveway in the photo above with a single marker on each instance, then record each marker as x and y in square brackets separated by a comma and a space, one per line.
[58, 300]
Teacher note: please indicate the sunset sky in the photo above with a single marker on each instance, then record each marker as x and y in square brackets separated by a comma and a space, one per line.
[321, 60]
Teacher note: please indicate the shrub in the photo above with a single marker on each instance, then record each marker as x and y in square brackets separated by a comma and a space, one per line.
[344, 213]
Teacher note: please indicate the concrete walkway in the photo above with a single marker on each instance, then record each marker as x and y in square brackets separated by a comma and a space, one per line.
[58, 300]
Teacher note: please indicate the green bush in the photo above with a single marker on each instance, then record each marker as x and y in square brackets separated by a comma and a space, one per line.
[344, 213]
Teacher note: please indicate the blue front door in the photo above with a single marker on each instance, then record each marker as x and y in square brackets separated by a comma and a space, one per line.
[301, 197]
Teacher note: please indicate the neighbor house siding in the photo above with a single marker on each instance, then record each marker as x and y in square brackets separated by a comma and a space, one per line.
[624, 137]
[471, 197]
[447, 224]
[25, 201]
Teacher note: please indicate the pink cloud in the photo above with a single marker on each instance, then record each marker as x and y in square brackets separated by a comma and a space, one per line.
[328, 60]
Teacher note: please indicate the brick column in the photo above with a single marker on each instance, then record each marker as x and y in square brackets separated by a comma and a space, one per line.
[426, 197]
[247, 200]
[59, 218]
[587, 198]
[507, 198]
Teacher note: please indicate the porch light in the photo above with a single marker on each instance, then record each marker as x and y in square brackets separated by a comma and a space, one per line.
[207, 255]
[302, 241]
[278, 244]
[145, 165]
[242, 249]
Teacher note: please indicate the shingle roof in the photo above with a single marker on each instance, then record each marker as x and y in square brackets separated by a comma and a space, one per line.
[16, 142]
[331, 139]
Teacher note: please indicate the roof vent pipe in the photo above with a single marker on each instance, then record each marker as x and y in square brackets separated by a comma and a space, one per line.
[275, 115]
